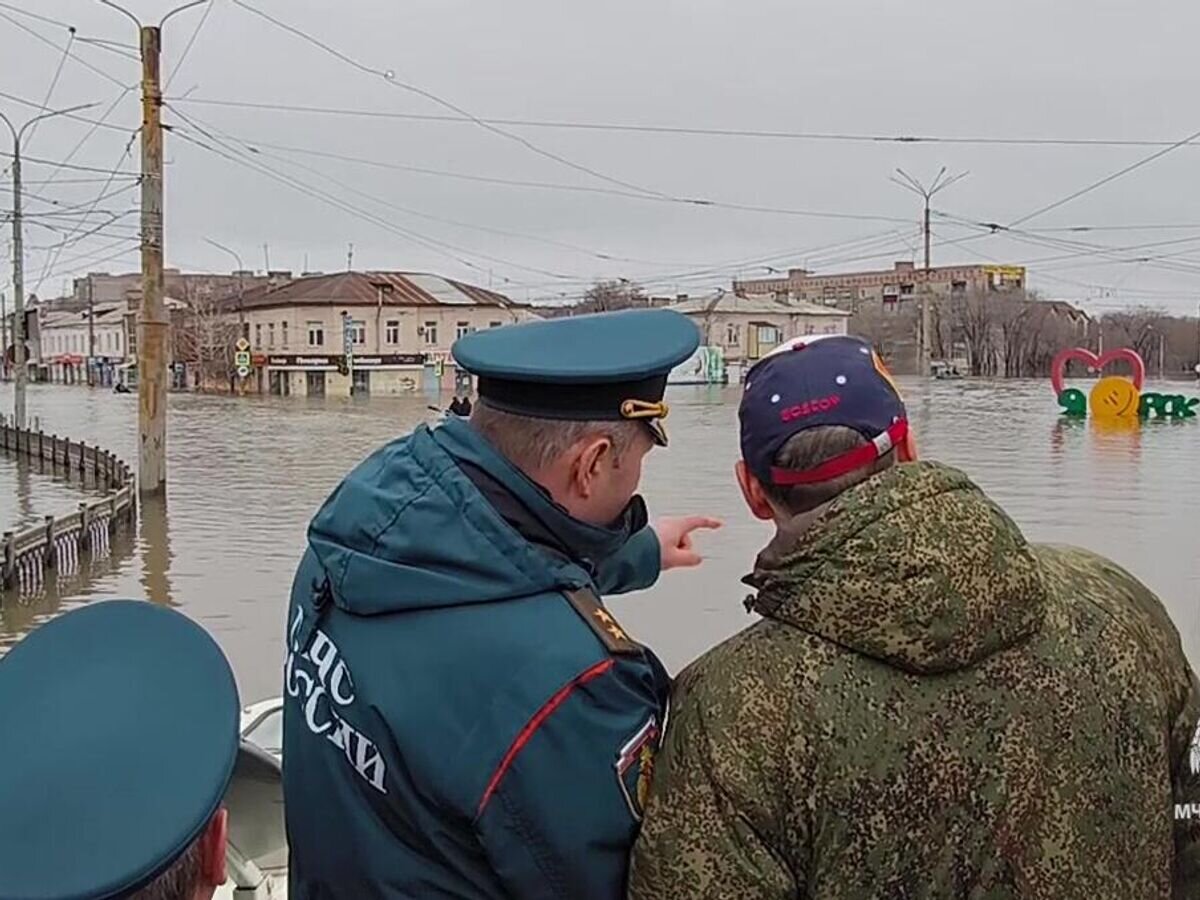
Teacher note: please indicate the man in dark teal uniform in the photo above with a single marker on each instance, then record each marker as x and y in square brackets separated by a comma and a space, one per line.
[119, 740]
[463, 717]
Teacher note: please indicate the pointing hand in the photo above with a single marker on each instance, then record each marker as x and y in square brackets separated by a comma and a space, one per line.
[675, 539]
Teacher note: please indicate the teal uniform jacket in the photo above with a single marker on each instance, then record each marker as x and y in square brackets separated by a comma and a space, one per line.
[462, 717]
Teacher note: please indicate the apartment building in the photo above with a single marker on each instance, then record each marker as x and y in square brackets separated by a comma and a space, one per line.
[399, 327]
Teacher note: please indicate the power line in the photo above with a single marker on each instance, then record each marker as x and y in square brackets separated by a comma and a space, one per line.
[569, 125]
[332, 200]
[62, 61]
[46, 40]
[555, 186]
[52, 261]
[33, 104]
[39, 161]
[389, 77]
[188, 49]
[374, 198]
[1106, 179]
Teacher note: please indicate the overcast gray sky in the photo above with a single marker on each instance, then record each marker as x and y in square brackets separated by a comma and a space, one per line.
[1026, 69]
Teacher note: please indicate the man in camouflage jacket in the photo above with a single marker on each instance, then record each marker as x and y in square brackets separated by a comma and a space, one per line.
[930, 707]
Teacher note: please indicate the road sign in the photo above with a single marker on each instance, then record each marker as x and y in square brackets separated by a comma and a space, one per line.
[241, 359]
[242, 345]
[243, 371]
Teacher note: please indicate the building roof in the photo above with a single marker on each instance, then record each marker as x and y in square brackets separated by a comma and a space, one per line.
[363, 289]
[104, 313]
[756, 305]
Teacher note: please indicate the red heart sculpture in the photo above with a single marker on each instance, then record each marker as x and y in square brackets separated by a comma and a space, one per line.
[1096, 363]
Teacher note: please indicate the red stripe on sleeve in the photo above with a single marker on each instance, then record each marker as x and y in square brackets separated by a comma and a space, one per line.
[525, 734]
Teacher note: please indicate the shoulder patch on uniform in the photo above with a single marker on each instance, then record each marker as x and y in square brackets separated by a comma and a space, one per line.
[602, 622]
[635, 766]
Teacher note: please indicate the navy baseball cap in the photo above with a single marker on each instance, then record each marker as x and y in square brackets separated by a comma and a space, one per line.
[814, 381]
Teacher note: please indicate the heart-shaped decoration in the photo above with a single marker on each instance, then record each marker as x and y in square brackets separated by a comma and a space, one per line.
[1058, 368]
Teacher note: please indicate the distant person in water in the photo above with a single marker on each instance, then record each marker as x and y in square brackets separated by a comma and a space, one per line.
[464, 717]
[929, 707]
[461, 405]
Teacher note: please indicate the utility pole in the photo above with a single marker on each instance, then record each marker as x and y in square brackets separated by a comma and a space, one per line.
[153, 325]
[940, 183]
[18, 263]
[3, 337]
[91, 334]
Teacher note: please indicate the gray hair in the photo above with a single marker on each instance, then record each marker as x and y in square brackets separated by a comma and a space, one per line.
[532, 443]
[808, 449]
[180, 881]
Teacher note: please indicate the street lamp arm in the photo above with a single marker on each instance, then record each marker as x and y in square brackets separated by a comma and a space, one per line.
[225, 249]
[136, 21]
[180, 9]
[51, 114]
[12, 130]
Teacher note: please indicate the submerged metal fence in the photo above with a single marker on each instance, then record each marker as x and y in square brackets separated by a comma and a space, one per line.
[59, 542]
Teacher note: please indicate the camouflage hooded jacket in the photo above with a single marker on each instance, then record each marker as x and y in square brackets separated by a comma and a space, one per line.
[930, 708]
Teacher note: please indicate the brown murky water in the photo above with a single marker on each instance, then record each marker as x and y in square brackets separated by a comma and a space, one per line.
[246, 475]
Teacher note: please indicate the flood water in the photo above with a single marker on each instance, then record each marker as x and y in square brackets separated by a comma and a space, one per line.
[247, 474]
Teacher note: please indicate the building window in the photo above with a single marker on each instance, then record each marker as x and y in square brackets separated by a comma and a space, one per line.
[430, 333]
[831, 329]
[271, 335]
[494, 324]
[810, 328]
[958, 287]
[258, 336]
[358, 332]
[462, 329]
[316, 334]
[733, 335]
[393, 332]
[283, 334]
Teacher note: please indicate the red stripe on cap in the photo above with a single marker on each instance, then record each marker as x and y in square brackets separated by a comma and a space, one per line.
[525, 734]
[847, 462]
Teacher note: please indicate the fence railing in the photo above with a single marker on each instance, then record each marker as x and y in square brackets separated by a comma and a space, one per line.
[59, 541]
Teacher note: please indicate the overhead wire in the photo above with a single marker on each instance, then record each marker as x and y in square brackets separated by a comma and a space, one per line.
[1108, 179]
[559, 124]
[554, 186]
[191, 41]
[45, 40]
[51, 261]
[374, 198]
[442, 247]
[62, 61]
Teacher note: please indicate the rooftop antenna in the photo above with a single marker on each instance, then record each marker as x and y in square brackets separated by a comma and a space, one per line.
[350, 257]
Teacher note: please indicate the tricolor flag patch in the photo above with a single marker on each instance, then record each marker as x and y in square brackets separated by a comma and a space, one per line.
[635, 766]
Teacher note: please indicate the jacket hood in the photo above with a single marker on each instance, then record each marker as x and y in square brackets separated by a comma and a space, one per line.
[914, 567]
[409, 529]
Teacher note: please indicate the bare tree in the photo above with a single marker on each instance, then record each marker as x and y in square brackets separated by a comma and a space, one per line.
[974, 316]
[203, 335]
[608, 296]
[889, 328]
[1140, 329]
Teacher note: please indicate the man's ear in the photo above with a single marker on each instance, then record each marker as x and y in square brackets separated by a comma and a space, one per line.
[212, 850]
[592, 454]
[752, 491]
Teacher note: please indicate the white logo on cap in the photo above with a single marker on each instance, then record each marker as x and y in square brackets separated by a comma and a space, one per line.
[797, 343]
[1194, 755]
